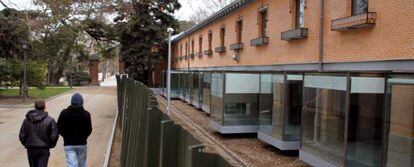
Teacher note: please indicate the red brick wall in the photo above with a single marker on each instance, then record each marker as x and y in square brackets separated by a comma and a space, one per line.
[391, 39]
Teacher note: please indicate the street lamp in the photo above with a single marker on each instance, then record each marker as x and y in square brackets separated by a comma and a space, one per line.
[170, 31]
[25, 45]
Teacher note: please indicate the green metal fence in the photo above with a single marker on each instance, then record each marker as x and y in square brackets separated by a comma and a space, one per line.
[150, 138]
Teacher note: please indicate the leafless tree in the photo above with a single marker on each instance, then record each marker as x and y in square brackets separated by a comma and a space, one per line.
[206, 8]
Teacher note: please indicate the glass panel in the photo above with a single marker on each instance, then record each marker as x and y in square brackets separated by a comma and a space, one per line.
[359, 7]
[400, 150]
[195, 91]
[241, 99]
[265, 104]
[294, 88]
[217, 84]
[278, 106]
[365, 124]
[190, 80]
[323, 117]
[206, 89]
[174, 84]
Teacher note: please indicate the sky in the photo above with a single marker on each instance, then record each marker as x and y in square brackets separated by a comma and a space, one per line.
[183, 14]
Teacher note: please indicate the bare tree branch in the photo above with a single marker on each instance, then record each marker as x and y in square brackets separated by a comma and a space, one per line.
[2, 3]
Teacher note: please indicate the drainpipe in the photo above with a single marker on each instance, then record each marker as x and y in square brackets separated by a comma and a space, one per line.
[321, 31]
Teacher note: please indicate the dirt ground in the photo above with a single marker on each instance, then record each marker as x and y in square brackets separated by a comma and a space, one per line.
[115, 156]
[99, 101]
[239, 150]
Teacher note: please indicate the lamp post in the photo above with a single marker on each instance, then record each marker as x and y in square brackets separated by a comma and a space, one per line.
[25, 45]
[170, 31]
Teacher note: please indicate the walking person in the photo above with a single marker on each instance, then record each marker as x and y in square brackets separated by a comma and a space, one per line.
[75, 126]
[38, 134]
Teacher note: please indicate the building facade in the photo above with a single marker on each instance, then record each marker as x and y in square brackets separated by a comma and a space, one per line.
[332, 79]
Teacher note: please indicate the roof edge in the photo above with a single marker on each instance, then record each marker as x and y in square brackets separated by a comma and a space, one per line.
[232, 7]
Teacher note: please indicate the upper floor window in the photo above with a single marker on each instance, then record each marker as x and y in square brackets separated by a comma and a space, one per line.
[210, 40]
[222, 36]
[239, 30]
[359, 7]
[181, 49]
[192, 46]
[200, 44]
[263, 14]
[299, 13]
[186, 48]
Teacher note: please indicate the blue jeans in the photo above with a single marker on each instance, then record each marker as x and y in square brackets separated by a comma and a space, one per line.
[76, 156]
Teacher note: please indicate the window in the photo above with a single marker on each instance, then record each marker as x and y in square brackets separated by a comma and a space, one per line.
[299, 13]
[359, 7]
[181, 49]
[239, 29]
[323, 117]
[263, 22]
[192, 46]
[210, 40]
[200, 44]
[186, 48]
[400, 122]
[222, 36]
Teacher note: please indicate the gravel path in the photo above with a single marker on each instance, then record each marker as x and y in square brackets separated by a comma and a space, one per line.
[239, 150]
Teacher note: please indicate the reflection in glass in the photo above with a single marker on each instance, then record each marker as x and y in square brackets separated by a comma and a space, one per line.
[195, 89]
[217, 87]
[206, 91]
[175, 88]
[365, 124]
[294, 88]
[323, 117]
[265, 104]
[241, 99]
[400, 151]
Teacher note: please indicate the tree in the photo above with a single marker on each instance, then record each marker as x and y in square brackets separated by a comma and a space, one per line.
[143, 36]
[184, 25]
[12, 30]
[207, 8]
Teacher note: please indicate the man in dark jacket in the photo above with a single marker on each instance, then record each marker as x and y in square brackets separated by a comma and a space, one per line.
[38, 134]
[75, 126]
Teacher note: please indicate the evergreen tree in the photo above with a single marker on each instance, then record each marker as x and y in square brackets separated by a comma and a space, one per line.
[143, 35]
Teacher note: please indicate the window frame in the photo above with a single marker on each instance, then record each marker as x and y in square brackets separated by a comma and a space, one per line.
[200, 43]
[222, 36]
[239, 30]
[210, 40]
[263, 19]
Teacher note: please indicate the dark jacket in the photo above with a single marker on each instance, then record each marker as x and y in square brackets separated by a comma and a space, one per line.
[75, 125]
[38, 130]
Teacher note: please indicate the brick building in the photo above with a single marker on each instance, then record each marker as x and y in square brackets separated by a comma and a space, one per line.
[332, 79]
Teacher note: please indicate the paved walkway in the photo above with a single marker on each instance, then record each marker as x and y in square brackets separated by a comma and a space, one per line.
[99, 101]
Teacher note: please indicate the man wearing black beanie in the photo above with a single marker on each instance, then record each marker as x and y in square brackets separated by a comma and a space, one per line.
[75, 126]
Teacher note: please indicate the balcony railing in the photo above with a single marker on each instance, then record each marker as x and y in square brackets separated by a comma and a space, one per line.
[208, 52]
[191, 55]
[185, 57]
[354, 22]
[236, 46]
[221, 49]
[298, 33]
[259, 41]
